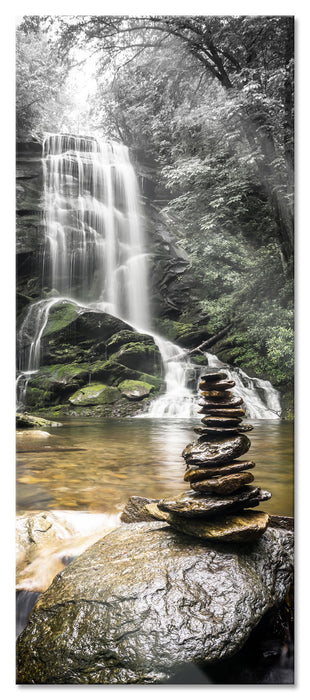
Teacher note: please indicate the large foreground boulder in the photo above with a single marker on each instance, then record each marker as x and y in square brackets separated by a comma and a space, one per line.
[145, 600]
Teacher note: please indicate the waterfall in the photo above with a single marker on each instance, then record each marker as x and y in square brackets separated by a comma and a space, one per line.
[93, 229]
[261, 399]
[94, 251]
[178, 400]
[95, 257]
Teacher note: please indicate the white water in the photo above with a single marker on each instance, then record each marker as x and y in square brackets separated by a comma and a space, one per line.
[260, 398]
[95, 257]
[94, 246]
[178, 400]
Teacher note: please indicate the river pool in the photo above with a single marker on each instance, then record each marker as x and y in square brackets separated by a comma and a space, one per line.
[95, 465]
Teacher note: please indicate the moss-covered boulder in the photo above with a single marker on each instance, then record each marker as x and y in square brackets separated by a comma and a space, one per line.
[25, 420]
[53, 385]
[135, 391]
[78, 336]
[95, 394]
[124, 337]
[142, 356]
[60, 316]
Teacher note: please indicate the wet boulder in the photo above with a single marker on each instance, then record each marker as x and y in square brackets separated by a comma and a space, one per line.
[94, 395]
[134, 390]
[145, 600]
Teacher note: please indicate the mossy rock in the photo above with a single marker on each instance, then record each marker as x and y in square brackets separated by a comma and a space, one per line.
[60, 316]
[77, 335]
[53, 385]
[140, 356]
[124, 337]
[25, 420]
[193, 337]
[198, 360]
[134, 390]
[95, 394]
[171, 329]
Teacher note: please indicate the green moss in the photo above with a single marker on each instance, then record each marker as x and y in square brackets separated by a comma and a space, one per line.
[94, 394]
[124, 337]
[60, 316]
[135, 389]
[198, 359]
[143, 357]
[171, 329]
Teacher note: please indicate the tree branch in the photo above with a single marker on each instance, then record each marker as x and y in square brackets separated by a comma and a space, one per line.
[203, 346]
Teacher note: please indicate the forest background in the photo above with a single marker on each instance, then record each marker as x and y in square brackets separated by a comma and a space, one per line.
[207, 103]
[7, 178]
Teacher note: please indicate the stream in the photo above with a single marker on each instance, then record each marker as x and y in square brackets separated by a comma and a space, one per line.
[137, 456]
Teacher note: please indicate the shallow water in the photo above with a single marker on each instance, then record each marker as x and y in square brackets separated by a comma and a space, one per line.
[119, 458]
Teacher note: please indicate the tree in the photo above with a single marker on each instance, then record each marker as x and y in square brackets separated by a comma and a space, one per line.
[41, 97]
[251, 57]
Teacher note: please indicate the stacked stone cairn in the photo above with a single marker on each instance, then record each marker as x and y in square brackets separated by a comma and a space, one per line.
[218, 504]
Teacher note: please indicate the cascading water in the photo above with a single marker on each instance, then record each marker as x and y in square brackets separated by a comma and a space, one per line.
[94, 249]
[260, 398]
[178, 400]
[93, 227]
[95, 258]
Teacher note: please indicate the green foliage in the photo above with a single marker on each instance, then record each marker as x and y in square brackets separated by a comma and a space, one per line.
[216, 126]
[38, 79]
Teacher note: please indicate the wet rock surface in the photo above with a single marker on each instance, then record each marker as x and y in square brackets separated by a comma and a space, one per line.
[243, 527]
[191, 504]
[145, 600]
[216, 452]
[223, 484]
[194, 473]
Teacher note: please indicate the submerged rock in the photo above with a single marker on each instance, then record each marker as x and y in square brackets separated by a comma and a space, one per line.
[124, 612]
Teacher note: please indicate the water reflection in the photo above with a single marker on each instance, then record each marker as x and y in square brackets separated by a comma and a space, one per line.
[120, 458]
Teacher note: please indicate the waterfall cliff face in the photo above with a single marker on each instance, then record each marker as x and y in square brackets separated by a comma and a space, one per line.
[94, 237]
[94, 253]
[95, 257]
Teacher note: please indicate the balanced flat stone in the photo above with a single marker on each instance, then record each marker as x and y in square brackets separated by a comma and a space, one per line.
[212, 375]
[217, 386]
[191, 505]
[244, 527]
[224, 412]
[225, 403]
[220, 421]
[210, 433]
[216, 394]
[217, 452]
[214, 433]
[194, 473]
[223, 484]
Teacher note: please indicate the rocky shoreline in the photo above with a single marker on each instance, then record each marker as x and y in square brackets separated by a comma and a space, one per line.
[191, 589]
